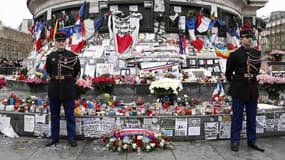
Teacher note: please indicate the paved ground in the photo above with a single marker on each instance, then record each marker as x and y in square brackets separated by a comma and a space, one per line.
[28, 148]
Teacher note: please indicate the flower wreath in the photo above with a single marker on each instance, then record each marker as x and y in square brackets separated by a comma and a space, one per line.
[136, 139]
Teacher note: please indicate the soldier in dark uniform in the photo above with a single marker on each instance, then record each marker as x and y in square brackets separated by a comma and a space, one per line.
[241, 69]
[63, 68]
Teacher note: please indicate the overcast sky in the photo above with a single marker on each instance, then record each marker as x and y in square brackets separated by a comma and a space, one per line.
[12, 12]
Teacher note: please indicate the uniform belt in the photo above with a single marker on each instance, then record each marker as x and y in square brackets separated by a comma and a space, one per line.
[61, 77]
[249, 75]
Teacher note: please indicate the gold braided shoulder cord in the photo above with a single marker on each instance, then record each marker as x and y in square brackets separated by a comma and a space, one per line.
[251, 60]
[72, 60]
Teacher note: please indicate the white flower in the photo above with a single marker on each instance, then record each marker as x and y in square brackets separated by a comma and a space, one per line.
[161, 144]
[166, 83]
[152, 145]
[125, 146]
[134, 145]
[147, 147]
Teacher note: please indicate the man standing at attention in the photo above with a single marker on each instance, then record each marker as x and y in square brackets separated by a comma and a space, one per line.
[63, 68]
[241, 69]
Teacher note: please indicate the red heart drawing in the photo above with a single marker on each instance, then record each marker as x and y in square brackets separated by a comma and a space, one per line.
[124, 42]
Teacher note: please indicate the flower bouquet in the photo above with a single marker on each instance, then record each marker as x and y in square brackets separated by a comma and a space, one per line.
[35, 83]
[166, 89]
[82, 86]
[136, 140]
[272, 85]
[104, 83]
[277, 54]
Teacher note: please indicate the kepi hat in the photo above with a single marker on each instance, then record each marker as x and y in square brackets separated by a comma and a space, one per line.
[246, 30]
[60, 36]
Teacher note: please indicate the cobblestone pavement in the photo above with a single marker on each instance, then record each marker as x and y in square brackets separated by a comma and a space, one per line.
[31, 148]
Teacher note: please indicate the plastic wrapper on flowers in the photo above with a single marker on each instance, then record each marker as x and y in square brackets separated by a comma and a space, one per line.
[136, 139]
[166, 88]
[82, 86]
[35, 83]
[272, 85]
[103, 84]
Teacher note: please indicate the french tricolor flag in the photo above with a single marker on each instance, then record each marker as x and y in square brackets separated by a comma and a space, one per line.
[38, 30]
[77, 42]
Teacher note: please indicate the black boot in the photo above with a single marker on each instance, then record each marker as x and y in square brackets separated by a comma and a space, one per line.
[256, 147]
[235, 147]
[51, 142]
[73, 143]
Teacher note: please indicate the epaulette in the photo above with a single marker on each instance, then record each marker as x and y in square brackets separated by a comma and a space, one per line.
[73, 53]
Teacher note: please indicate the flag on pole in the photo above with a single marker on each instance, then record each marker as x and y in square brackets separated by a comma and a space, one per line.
[38, 30]
[77, 42]
[55, 29]
[219, 92]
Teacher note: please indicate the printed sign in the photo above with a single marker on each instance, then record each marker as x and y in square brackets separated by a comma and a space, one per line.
[211, 130]
[102, 68]
[260, 124]
[225, 130]
[29, 123]
[181, 127]
[194, 128]
[96, 127]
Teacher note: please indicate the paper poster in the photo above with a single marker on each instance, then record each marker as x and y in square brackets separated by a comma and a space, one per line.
[225, 130]
[4, 122]
[90, 126]
[159, 6]
[29, 123]
[106, 125]
[40, 118]
[151, 123]
[281, 122]
[78, 126]
[118, 123]
[89, 70]
[62, 127]
[181, 127]
[132, 123]
[260, 124]
[211, 130]
[42, 129]
[194, 128]
[271, 125]
[102, 68]
[133, 8]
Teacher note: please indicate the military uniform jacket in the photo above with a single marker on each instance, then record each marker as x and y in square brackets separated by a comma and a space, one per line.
[241, 69]
[63, 69]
